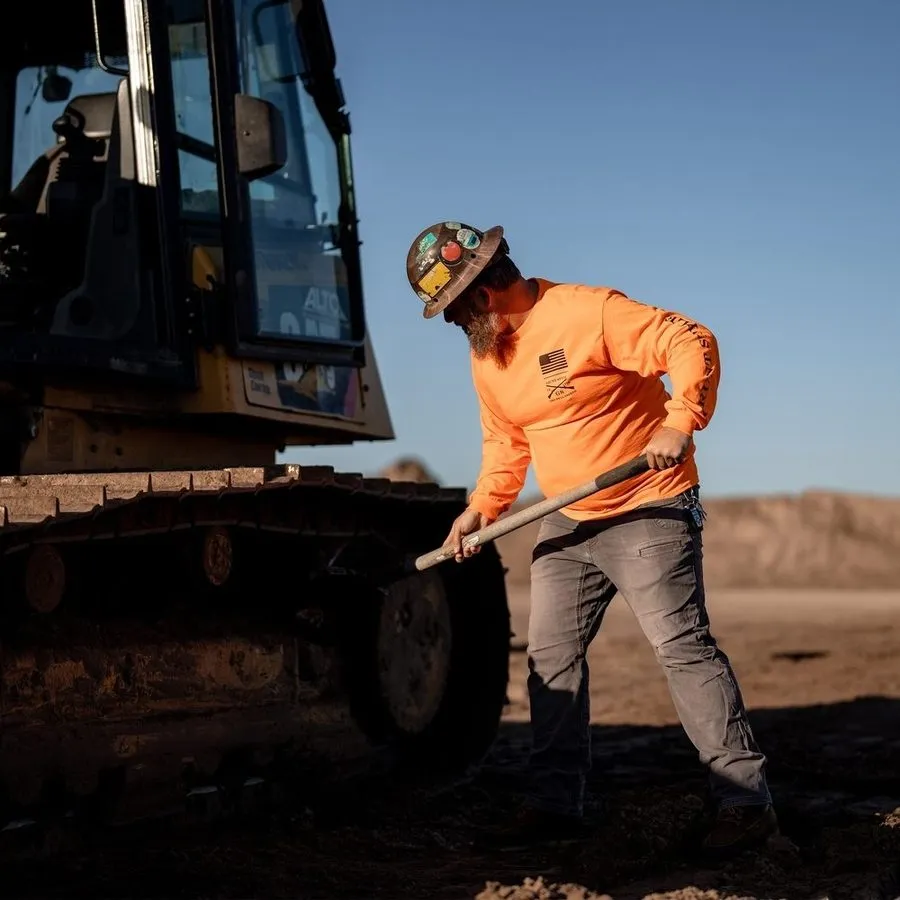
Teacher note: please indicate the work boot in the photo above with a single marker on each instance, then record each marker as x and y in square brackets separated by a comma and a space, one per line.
[738, 828]
[532, 827]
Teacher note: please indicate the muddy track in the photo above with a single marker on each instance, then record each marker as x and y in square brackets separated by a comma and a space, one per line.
[162, 632]
[70, 508]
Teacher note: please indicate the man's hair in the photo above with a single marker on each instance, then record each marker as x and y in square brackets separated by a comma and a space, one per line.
[500, 273]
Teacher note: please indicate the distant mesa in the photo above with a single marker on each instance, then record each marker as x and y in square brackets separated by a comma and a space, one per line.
[816, 539]
[409, 468]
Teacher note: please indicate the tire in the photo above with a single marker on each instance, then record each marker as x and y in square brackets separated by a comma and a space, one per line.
[462, 728]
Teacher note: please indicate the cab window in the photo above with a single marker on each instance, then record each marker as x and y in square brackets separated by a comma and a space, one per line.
[301, 278]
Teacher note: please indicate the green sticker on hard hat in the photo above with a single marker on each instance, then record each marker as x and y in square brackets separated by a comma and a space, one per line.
[428, 241]
[468, 238]
[453, 225]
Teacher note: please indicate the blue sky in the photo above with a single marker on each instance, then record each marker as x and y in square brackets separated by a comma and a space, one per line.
[738, 162]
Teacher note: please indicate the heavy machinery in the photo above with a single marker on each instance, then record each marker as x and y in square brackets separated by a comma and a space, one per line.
[181, 299]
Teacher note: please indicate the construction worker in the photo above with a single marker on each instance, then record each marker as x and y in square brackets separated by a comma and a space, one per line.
[567, 378]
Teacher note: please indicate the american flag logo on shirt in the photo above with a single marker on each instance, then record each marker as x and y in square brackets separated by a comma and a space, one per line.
[555, 369]
[554, 361]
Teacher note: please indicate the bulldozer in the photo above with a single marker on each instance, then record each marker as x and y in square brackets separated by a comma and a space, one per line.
[181, 299]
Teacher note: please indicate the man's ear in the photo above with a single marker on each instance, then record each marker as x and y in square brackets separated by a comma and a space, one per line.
[481, 299]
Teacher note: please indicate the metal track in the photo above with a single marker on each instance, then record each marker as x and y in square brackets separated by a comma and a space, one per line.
[160, 685]
[68, 508]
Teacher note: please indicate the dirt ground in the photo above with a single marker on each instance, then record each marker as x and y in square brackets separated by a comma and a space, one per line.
[819, 672]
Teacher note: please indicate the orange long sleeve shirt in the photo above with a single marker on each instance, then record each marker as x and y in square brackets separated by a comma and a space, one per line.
[583, 394]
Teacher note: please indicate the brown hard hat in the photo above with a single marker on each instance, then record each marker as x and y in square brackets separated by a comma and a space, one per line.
[446, 258]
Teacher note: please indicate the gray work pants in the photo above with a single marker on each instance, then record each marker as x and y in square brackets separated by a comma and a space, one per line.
[653, 557]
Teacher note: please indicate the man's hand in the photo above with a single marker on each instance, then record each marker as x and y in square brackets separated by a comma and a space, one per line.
[469, 522]
[667, 448]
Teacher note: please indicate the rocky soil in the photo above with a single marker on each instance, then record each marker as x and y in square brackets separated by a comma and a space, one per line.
[820, 673]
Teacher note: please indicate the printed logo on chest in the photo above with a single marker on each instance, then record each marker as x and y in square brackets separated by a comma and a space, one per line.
[555, 372]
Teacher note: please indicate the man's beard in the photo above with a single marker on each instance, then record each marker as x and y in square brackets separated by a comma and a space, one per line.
[487, 338]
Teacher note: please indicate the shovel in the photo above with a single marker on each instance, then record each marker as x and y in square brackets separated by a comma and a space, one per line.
[630, 469]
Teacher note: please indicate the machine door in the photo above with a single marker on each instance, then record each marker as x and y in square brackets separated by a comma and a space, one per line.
[91, 273]
[290, 240]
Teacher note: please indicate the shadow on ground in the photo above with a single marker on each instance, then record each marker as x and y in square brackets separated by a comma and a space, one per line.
[833, 772]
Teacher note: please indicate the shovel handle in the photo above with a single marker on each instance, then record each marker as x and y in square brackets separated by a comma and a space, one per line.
[501, 527]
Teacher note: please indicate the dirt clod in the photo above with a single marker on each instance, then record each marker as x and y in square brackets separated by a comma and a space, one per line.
[538, 889]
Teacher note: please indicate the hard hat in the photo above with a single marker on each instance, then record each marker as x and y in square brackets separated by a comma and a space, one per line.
[446, 258]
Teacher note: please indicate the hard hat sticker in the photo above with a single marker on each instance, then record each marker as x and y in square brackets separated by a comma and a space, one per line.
[426, 260]
[468, 238]
[427, 241]
[451, 253]
[453, 225]
[435, 279]
[423, 296]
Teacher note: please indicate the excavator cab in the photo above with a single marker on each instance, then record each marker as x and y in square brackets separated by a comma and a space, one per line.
[179, 255]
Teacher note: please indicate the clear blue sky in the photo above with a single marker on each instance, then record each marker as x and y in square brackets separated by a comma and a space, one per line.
[739, 162]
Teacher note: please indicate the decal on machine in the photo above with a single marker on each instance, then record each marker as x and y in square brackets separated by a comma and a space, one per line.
[302, 386]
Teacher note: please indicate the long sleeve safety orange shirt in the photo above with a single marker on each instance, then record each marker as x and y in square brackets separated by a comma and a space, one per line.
[582, 394]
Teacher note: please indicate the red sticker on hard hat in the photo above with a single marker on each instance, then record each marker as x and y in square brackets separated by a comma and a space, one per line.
[451, 252]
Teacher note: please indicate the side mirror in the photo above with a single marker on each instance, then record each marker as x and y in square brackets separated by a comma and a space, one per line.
[261, 137]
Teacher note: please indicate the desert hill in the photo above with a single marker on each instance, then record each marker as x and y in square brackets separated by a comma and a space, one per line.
[817, 539]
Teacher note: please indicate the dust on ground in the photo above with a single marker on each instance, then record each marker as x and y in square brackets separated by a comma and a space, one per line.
[819, 672]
